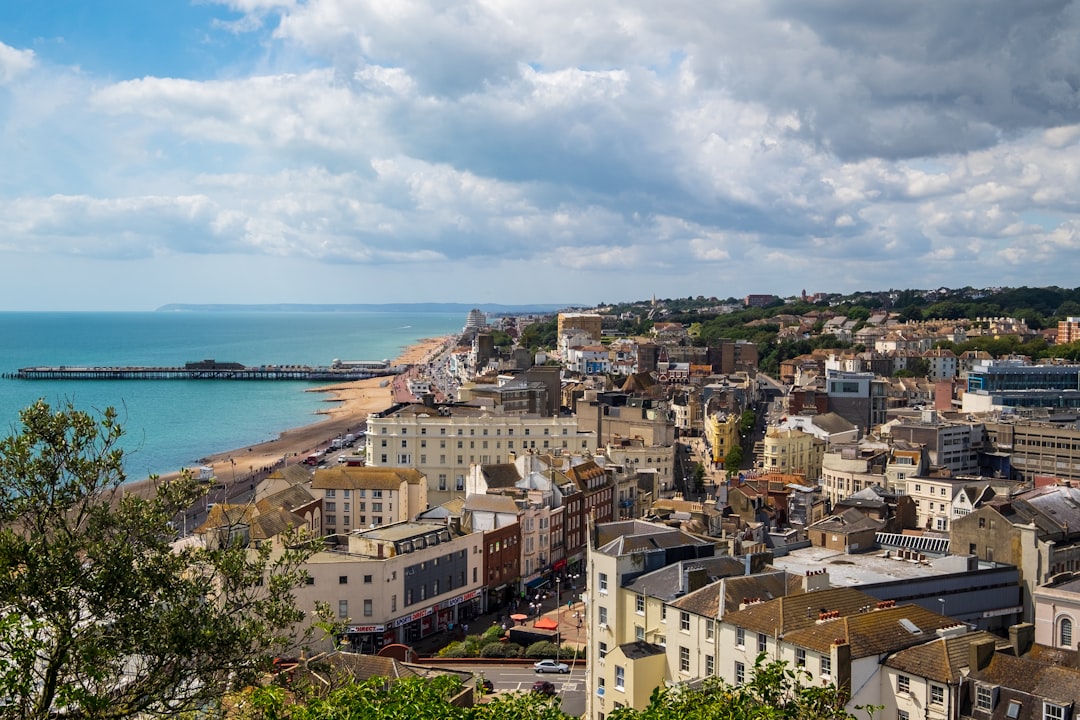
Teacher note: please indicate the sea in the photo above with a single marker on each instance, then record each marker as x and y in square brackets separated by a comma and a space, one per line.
[171, 424]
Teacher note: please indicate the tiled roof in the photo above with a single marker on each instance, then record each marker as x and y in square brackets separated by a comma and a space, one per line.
[941, 660]
[873, 632]
[368, 478]
[273, 523]
[786, 614]
[225, 515]
[290, 498]
[1058, 684]
[764, 585]
[501, 475]
[481, 502]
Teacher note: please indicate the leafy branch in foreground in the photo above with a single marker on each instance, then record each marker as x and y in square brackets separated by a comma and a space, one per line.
[773, 692]
[102, 613]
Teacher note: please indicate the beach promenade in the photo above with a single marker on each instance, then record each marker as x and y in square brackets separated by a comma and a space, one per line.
[348, 406]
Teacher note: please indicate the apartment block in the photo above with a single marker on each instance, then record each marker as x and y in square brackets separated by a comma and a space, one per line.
[618, 553]
[396, 583]
[442, 442]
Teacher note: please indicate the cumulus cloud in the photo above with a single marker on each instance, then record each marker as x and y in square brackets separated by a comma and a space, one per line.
[14, 62]
[739, 144]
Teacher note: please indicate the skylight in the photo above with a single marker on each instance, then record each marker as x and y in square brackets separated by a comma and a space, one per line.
[910, 626]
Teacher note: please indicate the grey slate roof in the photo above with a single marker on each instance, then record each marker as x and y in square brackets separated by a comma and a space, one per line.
[849, 521]
[670, 582]
[640, 649]
[501, 475]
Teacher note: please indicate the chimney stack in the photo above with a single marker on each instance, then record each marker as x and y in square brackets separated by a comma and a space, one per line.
[1021, 637]
[980, 653]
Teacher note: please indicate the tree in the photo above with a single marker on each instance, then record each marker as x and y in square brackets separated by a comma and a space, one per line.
[774, 692]
[101, 617]
[733, 460]
[390, 699]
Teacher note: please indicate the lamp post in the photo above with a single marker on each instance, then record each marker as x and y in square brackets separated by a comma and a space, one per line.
[558, 617]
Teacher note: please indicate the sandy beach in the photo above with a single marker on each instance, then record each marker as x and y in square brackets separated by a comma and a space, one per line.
[348, 405]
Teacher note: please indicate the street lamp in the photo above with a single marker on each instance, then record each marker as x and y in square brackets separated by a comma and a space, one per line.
[558, 617]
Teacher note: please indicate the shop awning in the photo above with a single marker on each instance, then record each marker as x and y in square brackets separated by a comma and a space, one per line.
[538, 582]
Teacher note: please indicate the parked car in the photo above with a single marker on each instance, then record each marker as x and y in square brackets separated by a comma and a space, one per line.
[544, 686]
[550, 666]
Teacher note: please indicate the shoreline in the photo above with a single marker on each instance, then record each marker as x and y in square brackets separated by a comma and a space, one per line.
[352, 402]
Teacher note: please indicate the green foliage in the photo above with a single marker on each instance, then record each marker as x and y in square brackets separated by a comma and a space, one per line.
[773, 692]
[499, 649]
[916, 367]
[540, 335]
[542, 649]
[500, 338]
[456, 649]
[382, 699]
[733, 460]
[747, 421]
[99, 612]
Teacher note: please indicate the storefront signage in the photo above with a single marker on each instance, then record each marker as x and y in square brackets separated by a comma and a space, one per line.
[366, 628]
[411, 618]
[440, 606]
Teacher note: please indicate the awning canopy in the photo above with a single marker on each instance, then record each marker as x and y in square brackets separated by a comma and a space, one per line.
[538, 582]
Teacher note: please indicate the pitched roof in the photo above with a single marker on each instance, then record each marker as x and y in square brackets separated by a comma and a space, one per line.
[1056, 683]
[501, 475]
[271, 524]
[680, 578]
[942, 660]
[830, 422]
[785, 614]
[290, 498]
[873, 632]
[482, 502]
[849, 521]
[627, 544]
[368, 478]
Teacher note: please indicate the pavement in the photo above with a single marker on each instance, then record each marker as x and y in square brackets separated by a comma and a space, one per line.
[570, 618]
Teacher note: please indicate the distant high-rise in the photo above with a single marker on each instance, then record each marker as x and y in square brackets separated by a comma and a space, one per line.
[475, 320]
[1068, 330]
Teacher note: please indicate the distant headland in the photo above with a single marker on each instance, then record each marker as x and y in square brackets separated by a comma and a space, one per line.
[490, 308]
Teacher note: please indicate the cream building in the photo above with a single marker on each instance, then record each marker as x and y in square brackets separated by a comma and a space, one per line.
[792, 452]
[620, 552]
[354, 498]
[396, 583]
[848, 469]
[443, 442]
[935, 498]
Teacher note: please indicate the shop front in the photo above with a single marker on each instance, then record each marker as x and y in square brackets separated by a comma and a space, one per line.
[441, 616]
[366, 639]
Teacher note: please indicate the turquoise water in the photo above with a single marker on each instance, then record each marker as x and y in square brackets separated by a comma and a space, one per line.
[171, 424]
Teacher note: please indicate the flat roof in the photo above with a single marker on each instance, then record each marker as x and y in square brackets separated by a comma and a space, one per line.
[854, 570]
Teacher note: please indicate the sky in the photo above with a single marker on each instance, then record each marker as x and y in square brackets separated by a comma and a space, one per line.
[366, 151]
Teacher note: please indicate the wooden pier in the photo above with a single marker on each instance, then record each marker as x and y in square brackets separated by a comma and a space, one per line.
[202, 370]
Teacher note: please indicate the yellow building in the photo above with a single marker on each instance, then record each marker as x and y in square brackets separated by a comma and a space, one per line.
[722, 434]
